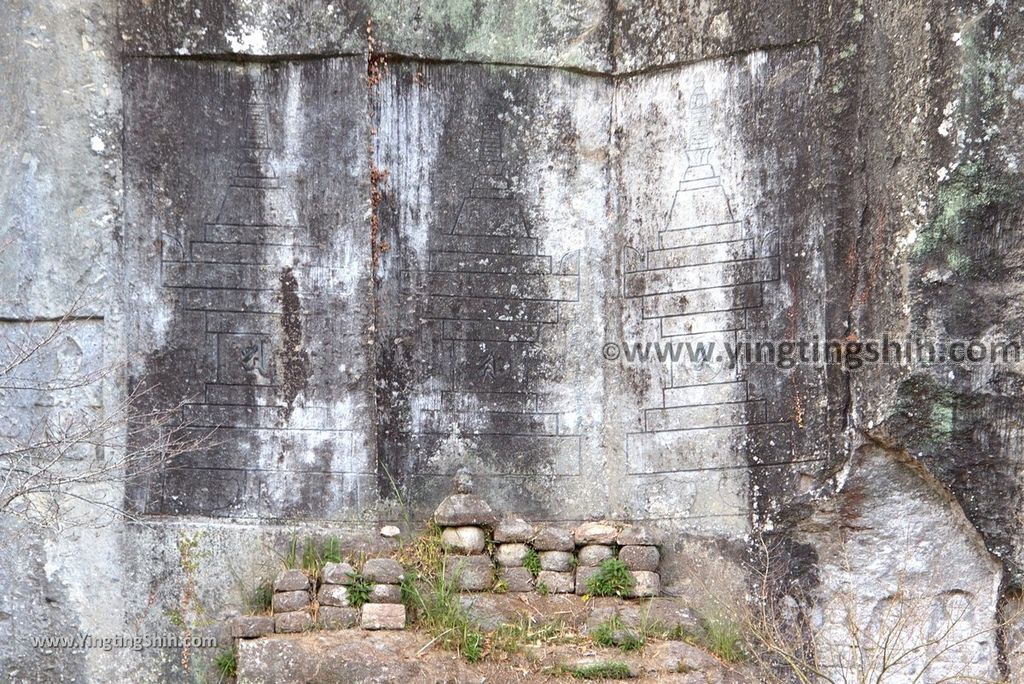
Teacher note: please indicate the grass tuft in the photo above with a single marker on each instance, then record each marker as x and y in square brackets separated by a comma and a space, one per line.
[613, 578]
[358, 590]
[311, 556]
[436, 602]
[226, 662]
[723, 638]
[532, 562]
[257, 600]
[609, 670]
[423, 556]
[614, 632]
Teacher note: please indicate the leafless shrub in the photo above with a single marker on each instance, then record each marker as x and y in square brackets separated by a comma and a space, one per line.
[65, 453]
[911, 635]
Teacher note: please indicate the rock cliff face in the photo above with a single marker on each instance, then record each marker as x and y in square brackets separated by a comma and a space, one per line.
[371, 243]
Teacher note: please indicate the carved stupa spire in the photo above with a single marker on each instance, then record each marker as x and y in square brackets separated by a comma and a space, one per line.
[491, 134]
[255, 195]
[492, 179]
[698, 144]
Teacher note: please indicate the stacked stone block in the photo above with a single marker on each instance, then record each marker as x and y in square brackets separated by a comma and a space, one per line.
[251, 626]
[512, 538]
[635, 546]
[384, 608]
[291, 602]
[568, 559]
[464, 519]
[638, 549]
[555, 547]
[335, 608]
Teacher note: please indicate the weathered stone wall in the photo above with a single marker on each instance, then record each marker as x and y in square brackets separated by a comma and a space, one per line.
[338, 249]
[499, 276]
[246, 251]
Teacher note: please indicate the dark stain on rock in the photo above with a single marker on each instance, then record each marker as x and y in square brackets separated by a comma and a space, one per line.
[293, 361]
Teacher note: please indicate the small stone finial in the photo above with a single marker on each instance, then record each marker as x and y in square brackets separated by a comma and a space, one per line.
[463, 481]
[698, 147]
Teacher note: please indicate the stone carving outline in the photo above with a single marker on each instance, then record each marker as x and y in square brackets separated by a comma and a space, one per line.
[698, 283]
[490, 297]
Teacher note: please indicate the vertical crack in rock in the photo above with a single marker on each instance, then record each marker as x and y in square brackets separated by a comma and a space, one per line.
[294, 361]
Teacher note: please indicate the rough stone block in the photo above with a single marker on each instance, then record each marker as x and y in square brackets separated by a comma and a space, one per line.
[335, 617]
[595, 533]
[636, 535]
[583, 575]
[288, 601]
[251, 626]
[337, 573]
[646, 583]
[291, 580]
[386, 593]
[292, 621]
[557, 582]
[383, 616]
[463, 509]
[333, 595]
[383, 571]
[553, 539]
[557, 561]
[517, 580]
[595, 554]
[512, 530]
[466, 540]
[511, 555]
[470, 573]
[640, 557]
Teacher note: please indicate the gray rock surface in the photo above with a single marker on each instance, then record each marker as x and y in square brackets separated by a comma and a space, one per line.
[556, 582]
[470, 573]
[458, 510]
[291, 580]
[559, 561]
[669, 612]
[594, 554]
[511, 555]
[383, 571]
[251, 626]
[333, 595]
[517, 579]
[645, 583]
[386, 593]
[288, 601]
[636, 535]
[950, 577]
[337, 573]
[865, 159]
[640, 557]
[583, 575]
[240, 298]
[595, 533]
[553, 539]
[383, 616]
[465, 540]
[353, 655]
[511, 529]
[292, 622]
[336, 617]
